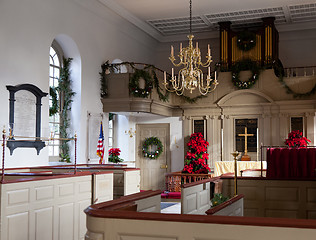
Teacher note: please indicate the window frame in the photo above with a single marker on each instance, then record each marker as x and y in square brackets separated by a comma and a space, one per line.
[55, 143]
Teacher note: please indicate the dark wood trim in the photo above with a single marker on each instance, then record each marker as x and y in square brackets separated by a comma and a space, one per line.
[217, 208]
[214, 179]
[249, 221]
[25, 177]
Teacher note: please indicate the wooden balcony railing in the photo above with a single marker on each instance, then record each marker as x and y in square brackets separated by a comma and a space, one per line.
[300, 71]
[174, 180]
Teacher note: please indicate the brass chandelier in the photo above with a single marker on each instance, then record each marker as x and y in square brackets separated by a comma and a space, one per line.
[190, 77]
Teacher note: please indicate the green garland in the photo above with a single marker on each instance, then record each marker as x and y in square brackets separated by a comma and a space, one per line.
[64, 87]
[246, 40]
[134, 88]
[279, 72]
[150, 142]
[243, 66]
[192, 100]
[107, 68]
[54, 108]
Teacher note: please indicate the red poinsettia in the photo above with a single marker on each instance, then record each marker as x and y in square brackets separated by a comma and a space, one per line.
[114, 154]
[296, 139]
[197, 156]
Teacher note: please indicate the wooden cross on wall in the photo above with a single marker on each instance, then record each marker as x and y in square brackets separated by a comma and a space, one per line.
[246, 135]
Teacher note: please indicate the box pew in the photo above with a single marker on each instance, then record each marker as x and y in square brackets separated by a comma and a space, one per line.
[120, 219]
[126, 180]
[267, 197]
[45, 205]
[195, 197]
[232, 207]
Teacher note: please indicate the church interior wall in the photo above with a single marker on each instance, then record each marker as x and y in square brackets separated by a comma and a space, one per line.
[27, 31]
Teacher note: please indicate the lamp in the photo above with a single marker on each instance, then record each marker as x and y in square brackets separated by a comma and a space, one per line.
[190, 76]
[130, 132]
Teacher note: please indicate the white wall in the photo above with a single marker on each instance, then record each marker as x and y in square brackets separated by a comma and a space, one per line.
[128, 144]
[27, 31]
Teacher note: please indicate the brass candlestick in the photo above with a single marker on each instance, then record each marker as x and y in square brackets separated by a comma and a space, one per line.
[235, 155]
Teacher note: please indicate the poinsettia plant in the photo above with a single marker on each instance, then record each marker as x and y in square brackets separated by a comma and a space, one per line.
[114, 154]
[197, 156]
[296, 139]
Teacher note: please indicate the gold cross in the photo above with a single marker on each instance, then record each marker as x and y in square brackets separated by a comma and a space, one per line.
[245, 135]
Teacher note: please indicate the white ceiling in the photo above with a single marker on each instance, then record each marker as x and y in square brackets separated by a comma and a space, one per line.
[167, 19]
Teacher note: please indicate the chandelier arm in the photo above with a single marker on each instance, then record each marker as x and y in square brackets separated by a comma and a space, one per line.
[176, 64]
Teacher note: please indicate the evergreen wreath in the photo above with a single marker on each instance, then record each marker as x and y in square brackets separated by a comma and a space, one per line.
[243, 66]
[134, 88]
[152, 141]
[246, 40]
[279, 72]
[54, 108]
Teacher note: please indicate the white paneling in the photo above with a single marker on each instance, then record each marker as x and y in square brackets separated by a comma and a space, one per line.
[84, 187]
[82, 218]
[44, 193]
[44, 223]
[131, 182]
[45, 209]
[66, 222]
[18, 226]
[18, 196]
[141, 237]
[103, 187]
[66, 189]
[195, 199]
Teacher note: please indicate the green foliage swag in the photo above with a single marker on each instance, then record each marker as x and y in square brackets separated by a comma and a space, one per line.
[218, 199]
[66, 93]
[279, 72]
[152, 141]
[148, 74]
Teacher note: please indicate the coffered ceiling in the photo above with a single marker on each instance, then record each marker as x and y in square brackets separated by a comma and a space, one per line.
[169, 19]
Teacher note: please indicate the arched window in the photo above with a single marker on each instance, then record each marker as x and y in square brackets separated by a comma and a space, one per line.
[55, 63]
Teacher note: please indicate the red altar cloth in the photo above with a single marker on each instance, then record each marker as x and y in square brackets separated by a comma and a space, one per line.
[291, 162]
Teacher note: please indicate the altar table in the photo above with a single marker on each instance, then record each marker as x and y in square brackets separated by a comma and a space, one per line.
[291, 162]
[229, 166]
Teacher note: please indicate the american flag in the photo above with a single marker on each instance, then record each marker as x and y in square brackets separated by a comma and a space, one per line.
[100, 147]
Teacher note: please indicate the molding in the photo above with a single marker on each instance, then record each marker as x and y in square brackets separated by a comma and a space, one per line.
[132, 18]
[231, 95]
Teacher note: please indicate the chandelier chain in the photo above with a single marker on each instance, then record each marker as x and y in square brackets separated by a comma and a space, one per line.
[190, 17]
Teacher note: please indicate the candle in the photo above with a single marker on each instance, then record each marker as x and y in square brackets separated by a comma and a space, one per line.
[197, 46]
[215, 75]
[209, 72]
[165, 76]
[180, 47]
[172, 73]
[208, 50]
[171, 51]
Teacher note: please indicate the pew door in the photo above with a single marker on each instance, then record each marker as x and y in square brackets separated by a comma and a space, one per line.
[152, 171]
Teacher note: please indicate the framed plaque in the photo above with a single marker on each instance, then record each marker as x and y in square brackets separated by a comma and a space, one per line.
[25, 104]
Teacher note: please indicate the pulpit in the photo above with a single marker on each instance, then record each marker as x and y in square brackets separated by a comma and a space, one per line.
[291, 162]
